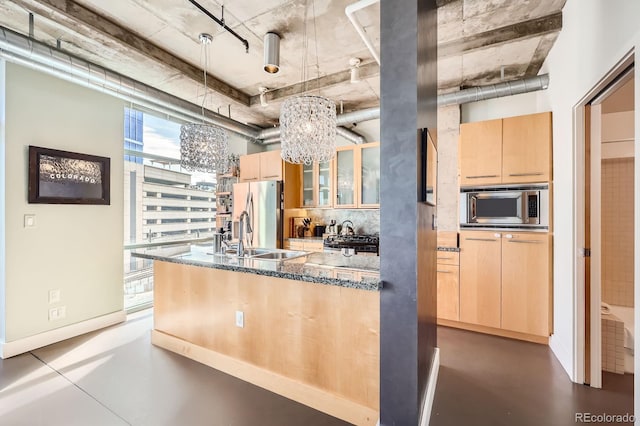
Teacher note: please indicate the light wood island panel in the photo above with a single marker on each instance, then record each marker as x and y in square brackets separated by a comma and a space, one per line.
[316, 344]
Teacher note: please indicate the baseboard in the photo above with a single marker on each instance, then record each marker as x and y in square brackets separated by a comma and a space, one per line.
[303, 393]
[431, 389]
[17, 347]
[541, 340]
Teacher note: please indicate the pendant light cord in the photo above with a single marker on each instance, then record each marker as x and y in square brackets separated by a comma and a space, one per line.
[315, 38]
[206, 65]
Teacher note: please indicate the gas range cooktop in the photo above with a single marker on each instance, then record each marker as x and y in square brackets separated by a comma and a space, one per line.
[360, 243]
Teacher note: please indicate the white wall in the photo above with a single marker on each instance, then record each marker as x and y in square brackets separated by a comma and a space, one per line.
[510, 106]
[75, 248]
[3, 233]
[596, 34]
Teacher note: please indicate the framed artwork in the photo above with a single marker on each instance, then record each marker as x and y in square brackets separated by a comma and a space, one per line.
[429, 169]
[62, 177]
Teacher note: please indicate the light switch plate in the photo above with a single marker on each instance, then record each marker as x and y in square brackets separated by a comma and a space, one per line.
[54, 296]
[240, 319]
[29, 220]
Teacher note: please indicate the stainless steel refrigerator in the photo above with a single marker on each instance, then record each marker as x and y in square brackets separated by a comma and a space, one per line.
[263, 203]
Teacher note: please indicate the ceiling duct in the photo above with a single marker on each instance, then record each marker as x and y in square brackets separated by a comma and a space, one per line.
[492, 91]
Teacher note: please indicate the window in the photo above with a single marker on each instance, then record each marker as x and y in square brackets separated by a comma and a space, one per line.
[163, 203]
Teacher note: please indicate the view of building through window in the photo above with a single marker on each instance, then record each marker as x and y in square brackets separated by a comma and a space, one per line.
[162, 202]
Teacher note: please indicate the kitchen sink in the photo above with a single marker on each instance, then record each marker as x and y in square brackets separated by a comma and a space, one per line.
[249, 252]
[268, 254]
[279, 255]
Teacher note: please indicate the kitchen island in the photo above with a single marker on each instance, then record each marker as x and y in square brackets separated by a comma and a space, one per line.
[293, 327]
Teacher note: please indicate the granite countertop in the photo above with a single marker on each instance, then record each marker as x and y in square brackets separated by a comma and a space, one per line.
[315, 267]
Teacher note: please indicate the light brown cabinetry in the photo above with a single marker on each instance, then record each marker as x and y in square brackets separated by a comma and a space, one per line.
[261, 166]
[526, 148]
[270, 165]
[448, 292]
[505, 151]
[312, 245]
[525, 283]
[480, 269]
[317, 188]
[356, 179]
[249, 167]
[481, 153]
[505, 281]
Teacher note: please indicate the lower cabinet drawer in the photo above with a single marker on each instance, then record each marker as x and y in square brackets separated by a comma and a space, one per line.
[448, 292]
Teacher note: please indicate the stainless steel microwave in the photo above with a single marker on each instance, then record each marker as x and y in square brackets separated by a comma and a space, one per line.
[525, 207]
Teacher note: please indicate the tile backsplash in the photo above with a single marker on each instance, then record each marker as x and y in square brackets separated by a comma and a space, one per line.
[617, 231]
[365, 221]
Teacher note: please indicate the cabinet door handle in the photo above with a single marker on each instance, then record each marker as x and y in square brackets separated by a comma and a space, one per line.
[255, 178]
[481, 176]
[444, 272]
[268, 177]
[480, 239]
[527, 174]
[445, 258]
[526, 241]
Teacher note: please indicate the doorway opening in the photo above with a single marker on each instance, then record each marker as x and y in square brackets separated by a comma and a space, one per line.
[606, 230]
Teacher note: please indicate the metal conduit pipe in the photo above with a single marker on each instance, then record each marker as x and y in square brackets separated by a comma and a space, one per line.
[34, 54]
[348, 134]
[507, 88]
[350, 12]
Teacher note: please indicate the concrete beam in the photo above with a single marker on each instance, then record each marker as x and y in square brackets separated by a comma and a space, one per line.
[367, 70]
[521, 30]
[545, 45]
[86, 22]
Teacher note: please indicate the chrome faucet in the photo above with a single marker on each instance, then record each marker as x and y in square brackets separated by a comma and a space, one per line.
[244, 228]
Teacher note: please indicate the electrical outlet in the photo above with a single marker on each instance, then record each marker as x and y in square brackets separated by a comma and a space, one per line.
[240, 319]
[54, 296]
[62, 312]
[53, 314]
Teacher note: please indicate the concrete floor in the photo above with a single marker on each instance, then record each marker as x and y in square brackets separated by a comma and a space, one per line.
[116, 377]
[488, 380]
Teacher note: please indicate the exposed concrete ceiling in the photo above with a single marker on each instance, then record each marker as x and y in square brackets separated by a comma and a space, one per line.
[156, 42]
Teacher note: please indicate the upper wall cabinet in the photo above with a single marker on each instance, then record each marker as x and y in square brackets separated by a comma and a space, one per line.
[526, 148]
[481, 153]
[357, 176]
[506, 151]
[316, 185]
[261, 166]
[369, 176]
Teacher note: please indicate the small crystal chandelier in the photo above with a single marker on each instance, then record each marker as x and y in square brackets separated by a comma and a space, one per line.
[204, 147]
[308, 122]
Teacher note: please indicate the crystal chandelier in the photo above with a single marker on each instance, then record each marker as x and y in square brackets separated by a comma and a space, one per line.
[308, 129]
[308, 122]
[204, 147]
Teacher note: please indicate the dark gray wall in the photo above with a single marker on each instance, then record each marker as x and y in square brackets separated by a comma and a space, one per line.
[407, 240]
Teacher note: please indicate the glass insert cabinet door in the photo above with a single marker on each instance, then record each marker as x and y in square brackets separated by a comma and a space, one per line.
[324, 184]
[307, 185]
[370, 176]
[345, 178]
